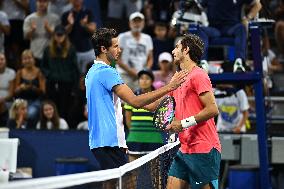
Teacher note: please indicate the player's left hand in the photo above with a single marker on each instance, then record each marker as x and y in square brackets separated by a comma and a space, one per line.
[175, 126]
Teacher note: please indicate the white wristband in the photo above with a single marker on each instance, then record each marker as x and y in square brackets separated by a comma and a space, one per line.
[188, 122]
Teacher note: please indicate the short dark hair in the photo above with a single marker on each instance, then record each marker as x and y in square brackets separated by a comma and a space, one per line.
[103, 37]
[195, 45]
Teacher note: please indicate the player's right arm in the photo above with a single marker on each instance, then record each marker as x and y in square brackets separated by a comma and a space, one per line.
[126, 94]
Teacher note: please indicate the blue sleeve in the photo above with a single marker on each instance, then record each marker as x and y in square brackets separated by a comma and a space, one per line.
[110, 78]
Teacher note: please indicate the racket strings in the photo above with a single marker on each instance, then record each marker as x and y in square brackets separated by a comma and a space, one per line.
[165, 113]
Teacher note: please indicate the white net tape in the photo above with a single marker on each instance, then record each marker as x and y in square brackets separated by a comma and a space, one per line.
[64, 181]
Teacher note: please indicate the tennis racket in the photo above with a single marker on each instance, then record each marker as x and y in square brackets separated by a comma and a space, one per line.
[164, 113]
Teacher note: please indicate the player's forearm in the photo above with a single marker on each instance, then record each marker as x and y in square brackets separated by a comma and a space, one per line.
[207, 113]
[148, 98]
[152, 107]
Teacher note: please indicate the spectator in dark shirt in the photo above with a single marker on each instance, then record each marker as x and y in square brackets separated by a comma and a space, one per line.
[80, 25]
[225, 20]
[59, 66]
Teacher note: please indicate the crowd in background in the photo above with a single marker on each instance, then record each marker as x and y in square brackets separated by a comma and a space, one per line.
[45, 54]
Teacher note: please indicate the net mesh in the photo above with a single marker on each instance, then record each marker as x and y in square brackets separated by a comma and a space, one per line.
[148, 172]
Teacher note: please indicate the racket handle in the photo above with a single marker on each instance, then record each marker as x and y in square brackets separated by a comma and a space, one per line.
[172, 137]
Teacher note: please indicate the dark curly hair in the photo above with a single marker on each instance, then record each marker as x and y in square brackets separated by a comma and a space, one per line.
[102, 37]
[195, 45]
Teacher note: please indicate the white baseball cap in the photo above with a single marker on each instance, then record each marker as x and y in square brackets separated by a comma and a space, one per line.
[136, 15]
[165, 56]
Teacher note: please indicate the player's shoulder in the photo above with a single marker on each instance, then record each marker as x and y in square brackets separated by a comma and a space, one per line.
[199, 72]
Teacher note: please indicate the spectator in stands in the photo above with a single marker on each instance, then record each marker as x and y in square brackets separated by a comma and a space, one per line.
[117, 10]
[84, 124]
[279, 28]
[49, 118]
[7, 76]
[233, 109]
[270, 63]
[80, 25]
[143, 137]
[58, 7]
[16, 11]
[59, 65]
[30, 85]
[165, 74]
[18, 118]
[38, 28]
[160, 42]
[4, 29]
[225, 20]
[157, 11]
[137, 51]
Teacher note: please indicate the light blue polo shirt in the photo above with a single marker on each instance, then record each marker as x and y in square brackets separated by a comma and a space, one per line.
[104, 108]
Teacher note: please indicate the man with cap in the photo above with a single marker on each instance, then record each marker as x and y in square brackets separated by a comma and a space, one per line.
[137, 50]
[164, 75]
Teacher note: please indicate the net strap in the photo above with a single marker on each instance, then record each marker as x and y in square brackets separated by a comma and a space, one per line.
[64, 181]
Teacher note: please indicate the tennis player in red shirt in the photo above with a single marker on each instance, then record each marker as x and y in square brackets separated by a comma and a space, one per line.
[197, 162]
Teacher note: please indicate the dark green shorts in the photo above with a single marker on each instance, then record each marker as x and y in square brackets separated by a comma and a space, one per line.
[197, 169]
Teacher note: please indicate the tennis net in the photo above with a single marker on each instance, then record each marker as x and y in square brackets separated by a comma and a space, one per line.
[148, 172]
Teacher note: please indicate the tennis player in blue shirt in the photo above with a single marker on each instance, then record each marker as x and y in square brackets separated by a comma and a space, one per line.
[104, 89]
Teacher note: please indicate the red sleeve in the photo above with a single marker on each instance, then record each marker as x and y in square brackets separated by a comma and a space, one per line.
[201, 82]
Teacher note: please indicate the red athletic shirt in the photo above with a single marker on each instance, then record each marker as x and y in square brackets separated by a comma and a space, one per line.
[202, 137]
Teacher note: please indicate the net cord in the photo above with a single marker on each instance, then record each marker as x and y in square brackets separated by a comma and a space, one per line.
[64, 181]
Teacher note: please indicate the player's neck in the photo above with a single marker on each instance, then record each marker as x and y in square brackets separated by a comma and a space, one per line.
[103, 59]
[187, 65]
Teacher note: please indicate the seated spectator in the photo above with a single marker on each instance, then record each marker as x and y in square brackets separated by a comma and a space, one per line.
[143, 137]
[18, 118]
[161, 43]
[49, 118]
[7, 76]
[165, 74]
[225, 20]
[59, 65]
[30, 85]
[233, 109]
[38, 28]
[84, 124]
